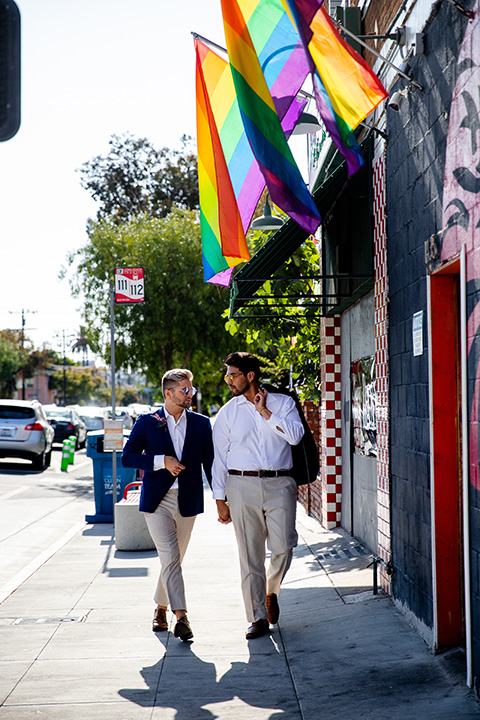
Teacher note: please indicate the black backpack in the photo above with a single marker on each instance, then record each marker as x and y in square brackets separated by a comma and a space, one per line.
[304, 455]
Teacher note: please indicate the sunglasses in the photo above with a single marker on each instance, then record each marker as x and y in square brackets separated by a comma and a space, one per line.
[231, 376]
[186, 391]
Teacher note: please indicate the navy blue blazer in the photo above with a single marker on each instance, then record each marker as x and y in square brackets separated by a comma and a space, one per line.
[149, 438]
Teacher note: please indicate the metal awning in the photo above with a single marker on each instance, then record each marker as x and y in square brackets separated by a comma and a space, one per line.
[277, 251]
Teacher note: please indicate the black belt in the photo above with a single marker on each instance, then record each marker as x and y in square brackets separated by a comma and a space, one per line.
[260, 473]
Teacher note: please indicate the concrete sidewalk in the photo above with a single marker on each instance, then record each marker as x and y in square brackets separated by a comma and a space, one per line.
[76, 640]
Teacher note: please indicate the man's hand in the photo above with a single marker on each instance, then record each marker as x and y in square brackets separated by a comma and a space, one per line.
[223, 512]
[173, 466]
[260, 402]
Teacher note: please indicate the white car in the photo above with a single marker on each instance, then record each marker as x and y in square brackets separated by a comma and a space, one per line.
[25, 432]
[92, 416]
[121, 413]
[137, 409]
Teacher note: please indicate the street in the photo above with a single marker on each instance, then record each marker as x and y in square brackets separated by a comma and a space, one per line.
[38, 510]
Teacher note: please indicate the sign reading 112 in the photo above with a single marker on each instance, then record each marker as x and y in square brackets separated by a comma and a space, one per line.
[129, 285]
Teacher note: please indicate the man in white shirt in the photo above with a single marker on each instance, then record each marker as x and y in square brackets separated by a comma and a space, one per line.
[171, 446]
[252, 436]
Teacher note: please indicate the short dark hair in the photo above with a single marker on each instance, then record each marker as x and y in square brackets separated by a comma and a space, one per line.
[245, 362]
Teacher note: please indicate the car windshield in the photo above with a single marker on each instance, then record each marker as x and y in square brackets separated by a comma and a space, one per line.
[59, 415]
[16, 413]
[90, 412]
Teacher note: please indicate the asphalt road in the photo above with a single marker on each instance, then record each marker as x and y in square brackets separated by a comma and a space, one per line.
[39, 511]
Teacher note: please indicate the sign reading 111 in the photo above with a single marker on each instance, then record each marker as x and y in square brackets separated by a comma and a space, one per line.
[129, 285]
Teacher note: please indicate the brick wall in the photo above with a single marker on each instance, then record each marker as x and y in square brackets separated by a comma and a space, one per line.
[323, 498]
[310, 495]
[331, 424]
[376, 21]
[415, 167]
[381, 366]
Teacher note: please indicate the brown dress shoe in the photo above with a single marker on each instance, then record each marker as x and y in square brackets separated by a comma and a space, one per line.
[273, 610]
[182, 629]
[257, 629]
[159, 620]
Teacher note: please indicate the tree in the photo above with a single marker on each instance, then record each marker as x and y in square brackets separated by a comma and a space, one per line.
[287, 344]
[135, 178]
[83, 385]
[180, 324]
[12, 357]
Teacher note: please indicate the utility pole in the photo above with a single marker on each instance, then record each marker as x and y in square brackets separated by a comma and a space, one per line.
[63, 346]
[22, 312]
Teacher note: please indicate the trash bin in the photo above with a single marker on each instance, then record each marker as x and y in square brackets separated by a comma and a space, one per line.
[103, 477]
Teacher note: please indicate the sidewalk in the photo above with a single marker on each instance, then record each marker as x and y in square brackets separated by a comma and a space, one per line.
[75, 640]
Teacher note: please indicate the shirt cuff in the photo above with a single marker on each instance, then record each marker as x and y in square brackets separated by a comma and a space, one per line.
[158, 462]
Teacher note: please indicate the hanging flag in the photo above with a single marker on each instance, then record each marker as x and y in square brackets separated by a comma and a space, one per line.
[286, 69]
[223, 237]
[346, 88]
[260, 119]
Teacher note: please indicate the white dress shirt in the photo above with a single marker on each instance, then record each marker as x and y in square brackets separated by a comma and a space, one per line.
[177, 432]
[244, 440]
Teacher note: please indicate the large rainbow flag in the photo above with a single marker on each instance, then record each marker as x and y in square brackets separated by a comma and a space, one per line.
[223, 236]
[259, 115]
[346, 88]
[285, 68]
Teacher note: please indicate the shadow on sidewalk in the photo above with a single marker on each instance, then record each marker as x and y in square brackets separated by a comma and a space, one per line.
[185, 683]
[181, 682]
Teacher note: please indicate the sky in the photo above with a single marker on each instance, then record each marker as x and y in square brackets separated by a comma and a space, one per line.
[90, 69]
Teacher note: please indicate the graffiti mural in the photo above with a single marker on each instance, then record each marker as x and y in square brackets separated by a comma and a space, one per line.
[461, 210]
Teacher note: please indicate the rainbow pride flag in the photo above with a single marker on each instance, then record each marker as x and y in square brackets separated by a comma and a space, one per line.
[257, 108]
[223, 236]
[346, 88]
[285, 68]
[219, 116]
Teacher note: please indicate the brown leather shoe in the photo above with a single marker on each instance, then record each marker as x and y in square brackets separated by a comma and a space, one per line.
[159, 620]
[257, 629]
[273, 610]
[182, 629]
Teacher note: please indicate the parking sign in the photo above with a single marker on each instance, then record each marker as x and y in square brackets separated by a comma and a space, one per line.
[129, 285]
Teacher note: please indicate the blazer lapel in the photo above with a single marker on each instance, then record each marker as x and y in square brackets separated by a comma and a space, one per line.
[188, 434]
[164, 435]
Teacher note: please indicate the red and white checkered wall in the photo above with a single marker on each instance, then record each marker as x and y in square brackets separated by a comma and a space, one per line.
[381, 357]
[331, 423]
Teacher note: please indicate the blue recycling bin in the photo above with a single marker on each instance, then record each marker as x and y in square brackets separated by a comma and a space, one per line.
[103, 477]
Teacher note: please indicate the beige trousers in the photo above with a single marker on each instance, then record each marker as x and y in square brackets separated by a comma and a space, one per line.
[170, 532]
[263, 511]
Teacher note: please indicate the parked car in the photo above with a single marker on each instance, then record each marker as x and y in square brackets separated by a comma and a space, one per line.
[121, 413]
[137, 409]
[92, 416]
[67, 423]
[25, 432]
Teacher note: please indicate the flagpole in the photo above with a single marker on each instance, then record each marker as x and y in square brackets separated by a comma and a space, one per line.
[209, 42]
[382, 57]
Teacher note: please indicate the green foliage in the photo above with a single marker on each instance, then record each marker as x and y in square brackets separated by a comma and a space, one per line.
[18, 356]
[180, 323]
[12, 357]
[135, 178]
[287, 343]
[83, 385]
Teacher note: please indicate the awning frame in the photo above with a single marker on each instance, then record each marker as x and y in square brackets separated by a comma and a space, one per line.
[281, 246]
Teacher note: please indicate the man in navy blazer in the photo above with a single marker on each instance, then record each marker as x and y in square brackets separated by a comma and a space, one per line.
[171, 446]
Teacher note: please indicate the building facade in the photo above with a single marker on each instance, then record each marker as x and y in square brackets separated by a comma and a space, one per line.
[399, 272]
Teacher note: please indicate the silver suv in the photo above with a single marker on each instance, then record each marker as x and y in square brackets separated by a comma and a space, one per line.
[25, 432]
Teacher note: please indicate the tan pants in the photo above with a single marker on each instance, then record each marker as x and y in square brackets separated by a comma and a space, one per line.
[263, 511]
[171, 533]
